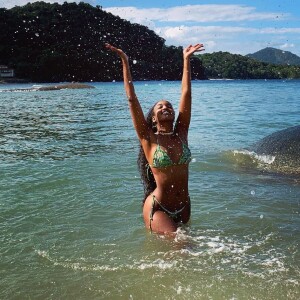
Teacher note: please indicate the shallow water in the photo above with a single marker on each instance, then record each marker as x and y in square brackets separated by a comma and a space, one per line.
[70, 197]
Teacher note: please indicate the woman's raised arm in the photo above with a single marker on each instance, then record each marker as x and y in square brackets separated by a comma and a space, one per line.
[185, 104]
[136, 111]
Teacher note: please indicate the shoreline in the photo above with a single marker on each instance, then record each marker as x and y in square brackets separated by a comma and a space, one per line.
[54, 87]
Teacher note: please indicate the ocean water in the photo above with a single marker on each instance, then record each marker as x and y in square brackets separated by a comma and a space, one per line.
[70, 197]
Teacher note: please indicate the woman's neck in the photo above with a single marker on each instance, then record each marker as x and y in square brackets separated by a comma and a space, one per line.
[165, 129]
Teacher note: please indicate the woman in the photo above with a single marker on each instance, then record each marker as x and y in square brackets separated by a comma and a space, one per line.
[164, 155]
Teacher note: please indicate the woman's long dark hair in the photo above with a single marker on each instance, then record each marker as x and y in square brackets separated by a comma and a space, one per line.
[147, 177]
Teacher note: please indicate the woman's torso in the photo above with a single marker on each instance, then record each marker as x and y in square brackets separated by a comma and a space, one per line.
[169, 158]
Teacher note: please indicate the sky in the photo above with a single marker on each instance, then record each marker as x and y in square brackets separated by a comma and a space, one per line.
[236, 26]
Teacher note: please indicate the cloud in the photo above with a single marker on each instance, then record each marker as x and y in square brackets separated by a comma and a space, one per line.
[234, 39]
[12, 3]
[244, 29]
[287, 46]
[178, 33]
[207, 31]
[272, 30]
[195, 13]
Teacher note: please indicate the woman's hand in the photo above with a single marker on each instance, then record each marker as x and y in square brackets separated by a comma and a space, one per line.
[120, 52]
[189, 50]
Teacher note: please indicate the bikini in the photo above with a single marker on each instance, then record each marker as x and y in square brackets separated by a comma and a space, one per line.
[161, 159]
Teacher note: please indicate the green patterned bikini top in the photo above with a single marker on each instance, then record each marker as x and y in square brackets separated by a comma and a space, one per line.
[161, 159]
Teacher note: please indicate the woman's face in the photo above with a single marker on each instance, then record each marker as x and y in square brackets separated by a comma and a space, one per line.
[163, 111]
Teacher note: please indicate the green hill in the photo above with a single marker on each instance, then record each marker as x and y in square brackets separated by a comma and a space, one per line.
[234, 66]
[276, 56]
[53, 42]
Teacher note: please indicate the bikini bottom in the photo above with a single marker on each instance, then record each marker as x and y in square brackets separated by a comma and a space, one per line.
[173, 214]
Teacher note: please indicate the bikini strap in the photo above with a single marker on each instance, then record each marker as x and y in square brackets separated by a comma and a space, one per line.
[181, 140]
[157, 141]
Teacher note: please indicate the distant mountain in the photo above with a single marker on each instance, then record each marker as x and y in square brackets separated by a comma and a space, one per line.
[276, 56]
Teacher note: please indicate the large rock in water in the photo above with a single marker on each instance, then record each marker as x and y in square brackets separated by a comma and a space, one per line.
[65, 86]
[284, 146]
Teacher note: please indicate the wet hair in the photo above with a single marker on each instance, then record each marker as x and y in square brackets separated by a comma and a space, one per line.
[147, 177]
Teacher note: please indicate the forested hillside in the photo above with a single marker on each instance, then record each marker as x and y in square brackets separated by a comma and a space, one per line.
[233, 66]
[52, 42]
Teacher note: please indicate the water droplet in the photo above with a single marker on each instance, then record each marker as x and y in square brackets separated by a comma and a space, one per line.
[261, 216]
[134, 61]
[252, 193]
[37, 35]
